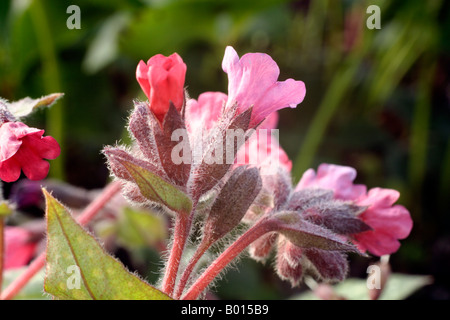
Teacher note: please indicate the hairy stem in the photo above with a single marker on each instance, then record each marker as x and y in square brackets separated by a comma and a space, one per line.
[259, 229]
[86, 216]
[181, 233]
[202, 248]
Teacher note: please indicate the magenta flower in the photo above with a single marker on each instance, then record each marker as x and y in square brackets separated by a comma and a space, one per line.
[389, 222]
[162, 80]
[253, 81]
[24, 148]
[18, 249]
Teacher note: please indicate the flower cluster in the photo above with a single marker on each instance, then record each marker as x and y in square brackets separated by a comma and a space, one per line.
[194, 158]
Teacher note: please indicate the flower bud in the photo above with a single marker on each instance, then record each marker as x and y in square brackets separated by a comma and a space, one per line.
[261, 248]
[232, 202]
[162, 80]
[286, 267]
[329, 265]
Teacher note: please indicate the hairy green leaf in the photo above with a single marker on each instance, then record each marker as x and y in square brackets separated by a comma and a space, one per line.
[25, 106]
[78, 268]
[156, 189]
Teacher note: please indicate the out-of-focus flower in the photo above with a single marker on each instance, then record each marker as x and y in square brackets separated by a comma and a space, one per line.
[24, 148]
[389, 222]
[253, 81]
[204, 112]
[264, 151]
[18, 249]
[162, 80]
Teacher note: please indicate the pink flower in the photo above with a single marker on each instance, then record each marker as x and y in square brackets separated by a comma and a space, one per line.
[204, 113]
[389, 222]
[253, 81]
[162, 80]
[263, 150]
[18, 249]
[24, 148]
[333, 177]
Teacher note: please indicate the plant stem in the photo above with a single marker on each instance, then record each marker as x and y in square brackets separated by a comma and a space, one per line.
[85, 217]
[259, 229]
[14, 288]
[202, 248]
[181, 233]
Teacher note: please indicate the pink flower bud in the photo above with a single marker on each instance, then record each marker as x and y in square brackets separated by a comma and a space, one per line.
[162, 80]
[24, 148]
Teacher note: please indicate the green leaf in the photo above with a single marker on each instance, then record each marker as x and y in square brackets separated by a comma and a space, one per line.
[78, 268]
[25, 106]
[398, 287]
[140, 228]
[156, 189]
[32, 290]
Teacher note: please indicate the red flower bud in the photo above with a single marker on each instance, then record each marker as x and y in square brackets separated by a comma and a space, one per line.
[162, 80]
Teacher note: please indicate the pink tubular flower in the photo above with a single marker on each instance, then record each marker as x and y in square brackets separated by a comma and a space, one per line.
[253, 81]
[18, 250]
[204, 113]
[162, 80]
[24, 148]
[389, 222]
[263, 150]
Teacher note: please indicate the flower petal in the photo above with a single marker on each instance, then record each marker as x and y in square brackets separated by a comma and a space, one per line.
[45, 147]
[9, 143]
[32, 164]
[9, 170]
[252, 81]
[378, 243]
[333, 177]
[204, 113]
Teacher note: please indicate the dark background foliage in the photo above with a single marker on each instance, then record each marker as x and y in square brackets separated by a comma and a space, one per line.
[377, 100]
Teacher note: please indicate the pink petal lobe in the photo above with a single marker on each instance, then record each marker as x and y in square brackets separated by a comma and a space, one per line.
[10, 170]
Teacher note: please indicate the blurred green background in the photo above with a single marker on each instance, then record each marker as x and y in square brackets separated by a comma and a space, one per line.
[377, 100]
